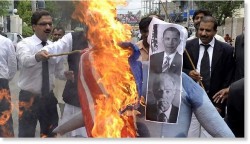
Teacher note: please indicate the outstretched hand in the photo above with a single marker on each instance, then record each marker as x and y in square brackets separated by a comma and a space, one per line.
[221, 96]
[42, 56]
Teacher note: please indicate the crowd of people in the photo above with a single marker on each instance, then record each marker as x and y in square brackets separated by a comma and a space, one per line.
[211, 94]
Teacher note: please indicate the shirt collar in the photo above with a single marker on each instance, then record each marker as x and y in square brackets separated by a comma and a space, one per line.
[167, 113]
[37, 41]
[171, 55]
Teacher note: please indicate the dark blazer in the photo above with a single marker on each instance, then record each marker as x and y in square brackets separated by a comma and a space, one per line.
[239, 57]
[222, 68]
[151, 113]
[235, 108]
[70, 92]
[156, 61]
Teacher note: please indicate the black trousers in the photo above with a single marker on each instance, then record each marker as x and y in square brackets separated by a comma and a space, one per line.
[33, 108]
[6, 121]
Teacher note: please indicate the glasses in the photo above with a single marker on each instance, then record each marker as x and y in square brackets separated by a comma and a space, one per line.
[44, 24]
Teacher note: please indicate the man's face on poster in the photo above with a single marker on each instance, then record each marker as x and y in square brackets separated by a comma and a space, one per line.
[171, 40]
[164, 93]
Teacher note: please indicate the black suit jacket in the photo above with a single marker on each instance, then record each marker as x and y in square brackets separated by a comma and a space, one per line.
[151, 113]
[235, 108]
[239, 57]
[156, 61]
[222, 68]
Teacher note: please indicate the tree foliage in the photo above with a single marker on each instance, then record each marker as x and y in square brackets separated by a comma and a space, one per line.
[4, 6]
[24, 10]
[220, 9]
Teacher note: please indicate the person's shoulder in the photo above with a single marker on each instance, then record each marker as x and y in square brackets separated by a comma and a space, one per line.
[220, 38]
[225, 46]
[5, 39]
[139, 44]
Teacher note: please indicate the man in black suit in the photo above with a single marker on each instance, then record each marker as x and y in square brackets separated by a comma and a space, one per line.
[235, 93]
[221, 63]
[169, 60]
[161, 108]
[239, 57]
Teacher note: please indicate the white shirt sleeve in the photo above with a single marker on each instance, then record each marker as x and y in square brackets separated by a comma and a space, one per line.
[12, 60]
[63, 45]
[26, 53]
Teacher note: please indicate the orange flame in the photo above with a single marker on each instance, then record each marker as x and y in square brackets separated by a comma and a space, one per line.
[5, 114]
[25, 106]
[111, 62]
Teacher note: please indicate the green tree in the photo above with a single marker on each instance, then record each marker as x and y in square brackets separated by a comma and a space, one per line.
[24, 10]
[4, 6]
[220, 9]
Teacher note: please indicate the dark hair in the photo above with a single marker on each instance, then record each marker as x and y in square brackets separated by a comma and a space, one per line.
[58, 28]
[171, 29]
[205, 12]
[210, 19]
[144, 23]
[37, 15]
[157, 16]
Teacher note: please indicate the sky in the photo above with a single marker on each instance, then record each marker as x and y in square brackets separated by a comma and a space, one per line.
[133, 6]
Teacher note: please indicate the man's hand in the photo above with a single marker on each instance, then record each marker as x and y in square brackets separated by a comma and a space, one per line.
[221, 96]
[69, 75]
[195, 75]
[42, 56]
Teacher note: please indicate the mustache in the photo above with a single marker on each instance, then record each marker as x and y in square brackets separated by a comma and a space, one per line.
[47, 31]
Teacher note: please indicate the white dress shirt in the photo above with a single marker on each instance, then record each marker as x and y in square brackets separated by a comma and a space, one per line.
[30, 78]
[8, 62]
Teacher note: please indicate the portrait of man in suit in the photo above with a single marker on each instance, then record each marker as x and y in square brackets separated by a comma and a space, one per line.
[169, 60]
[160, 106]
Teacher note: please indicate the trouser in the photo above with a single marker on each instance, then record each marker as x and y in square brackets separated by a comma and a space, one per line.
[6, 121]
[36, 107]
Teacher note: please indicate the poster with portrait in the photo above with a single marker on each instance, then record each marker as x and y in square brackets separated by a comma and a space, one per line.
[167, 42]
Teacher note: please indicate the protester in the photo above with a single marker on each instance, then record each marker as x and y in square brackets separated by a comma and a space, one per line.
[228, 39]
[70, 42]
[213, 65]
[36, 80]
[57, 33]
[198, 15]
[234, 94]
[8, 68]
[147, 129]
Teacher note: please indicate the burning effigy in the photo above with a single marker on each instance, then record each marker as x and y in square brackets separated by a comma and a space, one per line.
[106, 85]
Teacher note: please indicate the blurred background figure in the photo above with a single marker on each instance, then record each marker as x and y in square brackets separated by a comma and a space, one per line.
[228, 39]
[57, 33]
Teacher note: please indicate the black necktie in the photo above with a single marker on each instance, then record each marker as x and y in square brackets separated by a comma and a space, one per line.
[205, 68]
[162, 117]
[45, 76]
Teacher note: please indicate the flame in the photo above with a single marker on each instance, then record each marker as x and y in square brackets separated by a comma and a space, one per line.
[25, 106]
[5, 114]
[111, 62]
